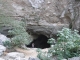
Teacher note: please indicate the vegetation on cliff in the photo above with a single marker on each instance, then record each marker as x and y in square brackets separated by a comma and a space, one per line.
[18, 31]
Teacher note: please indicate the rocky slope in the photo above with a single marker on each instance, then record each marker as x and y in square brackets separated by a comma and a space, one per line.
[42, 17]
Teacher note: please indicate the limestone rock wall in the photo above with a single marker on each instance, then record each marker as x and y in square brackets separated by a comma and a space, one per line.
[77, 21]
[43, 16]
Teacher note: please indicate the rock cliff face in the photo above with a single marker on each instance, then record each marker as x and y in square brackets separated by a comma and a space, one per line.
[44, 16]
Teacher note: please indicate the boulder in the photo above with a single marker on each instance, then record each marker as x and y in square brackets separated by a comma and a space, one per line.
[19, 58]
[3, 38]
[2, 59]
[2, 49]
[74, 58]
[31, 58]
[15, 55]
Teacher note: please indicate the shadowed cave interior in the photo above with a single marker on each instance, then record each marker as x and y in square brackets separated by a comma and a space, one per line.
[40, 42]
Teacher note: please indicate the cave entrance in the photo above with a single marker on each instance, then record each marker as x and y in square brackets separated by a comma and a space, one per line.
[40, 42]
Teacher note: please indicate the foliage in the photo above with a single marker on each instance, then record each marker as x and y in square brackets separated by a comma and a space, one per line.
[18, 31]
[43, 55]
[67, 45]
[7, 44]
[51, 41]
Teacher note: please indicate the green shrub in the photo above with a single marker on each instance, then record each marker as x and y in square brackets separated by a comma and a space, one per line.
[7, 44]
[67, 45]
[18, 31]
[51, 41]
[43, 55]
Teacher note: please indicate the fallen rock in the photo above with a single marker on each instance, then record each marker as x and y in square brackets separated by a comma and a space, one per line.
[31, 58]
[15, 55]
[3, 38]
[19, 58]
[74, 58]
[2, 59]
[2, 49]
[28, 53]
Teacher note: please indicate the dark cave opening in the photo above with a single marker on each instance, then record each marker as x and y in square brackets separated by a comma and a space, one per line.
[40, 42]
